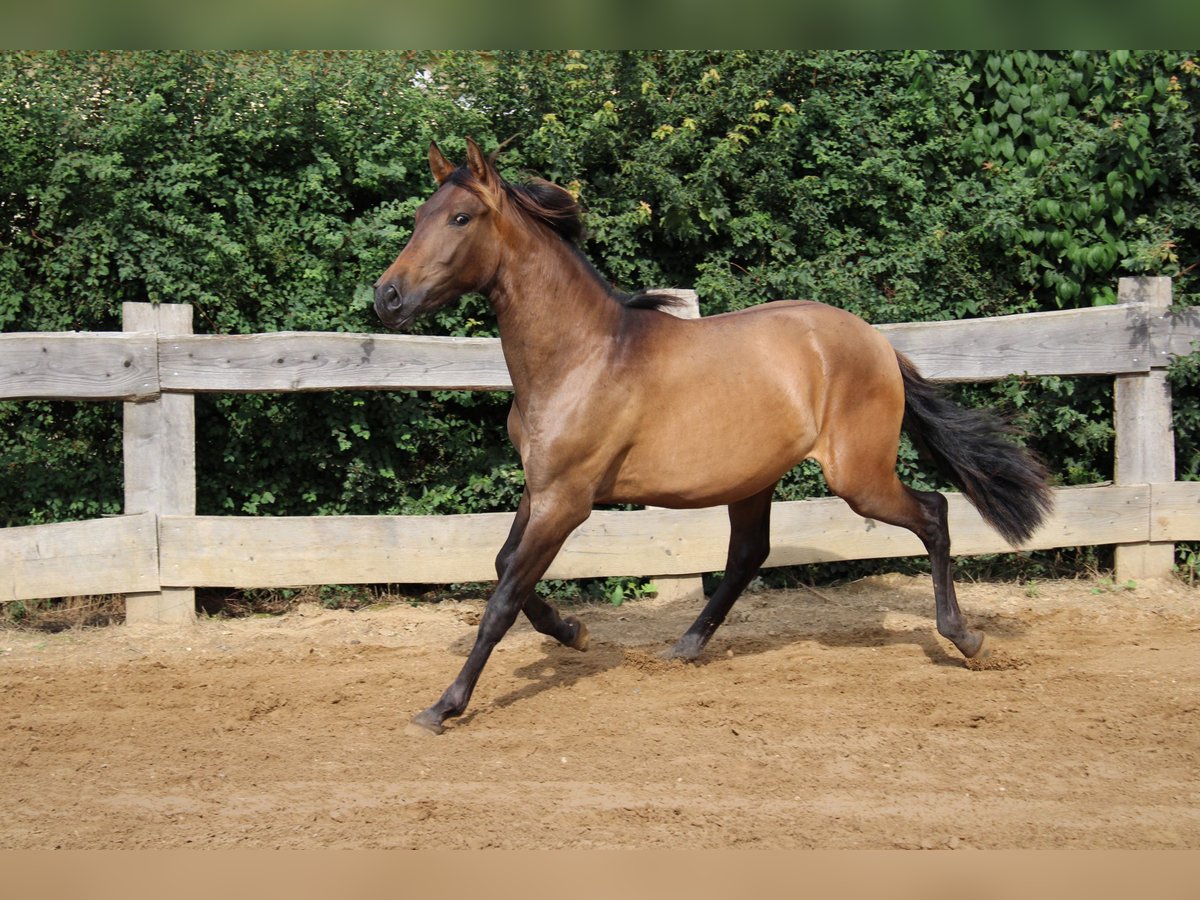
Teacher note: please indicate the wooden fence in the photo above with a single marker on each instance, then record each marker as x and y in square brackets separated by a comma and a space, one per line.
[159, 550]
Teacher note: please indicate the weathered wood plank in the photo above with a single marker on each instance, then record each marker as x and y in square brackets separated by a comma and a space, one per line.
[78, 366]
[1097, 341]
[118, 555]
[1072, 342]
[1175, 511]
[1145, 443]
[160, 437]
[1175, 334]
[100, 556]
[320, 361]
[97, 366]
[830, 531]
[159, 446]
[266, 552]
[1145, 439]
[232, 551]
[317, 361]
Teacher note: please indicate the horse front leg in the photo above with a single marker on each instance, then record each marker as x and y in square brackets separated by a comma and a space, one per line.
[548, 525]
[567, 630]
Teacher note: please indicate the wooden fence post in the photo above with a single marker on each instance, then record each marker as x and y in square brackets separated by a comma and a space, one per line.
[160, 462]
[681, 587]
[1145, 440]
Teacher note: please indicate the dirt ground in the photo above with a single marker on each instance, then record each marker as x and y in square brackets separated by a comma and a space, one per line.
[830, 720]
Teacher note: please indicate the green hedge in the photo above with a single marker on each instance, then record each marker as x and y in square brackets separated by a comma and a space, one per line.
[269, 190]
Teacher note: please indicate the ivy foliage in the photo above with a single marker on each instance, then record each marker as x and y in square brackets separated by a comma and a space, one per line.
[269, 190]
[1103, 147]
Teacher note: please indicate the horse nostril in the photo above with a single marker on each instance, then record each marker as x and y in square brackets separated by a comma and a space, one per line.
[386, 295]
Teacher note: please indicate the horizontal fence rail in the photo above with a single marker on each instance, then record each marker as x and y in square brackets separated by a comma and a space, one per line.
[1110, 340]
[143, 552]
[159, 551]
[277, 552]
[79, 366]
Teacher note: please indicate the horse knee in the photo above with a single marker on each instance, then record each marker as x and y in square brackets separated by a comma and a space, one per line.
[752, 556]
[498, 617]
[748, 553]
[502, 560]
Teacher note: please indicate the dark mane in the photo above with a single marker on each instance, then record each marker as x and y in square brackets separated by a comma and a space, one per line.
[555, 208]
[551, 205]
[650, 300]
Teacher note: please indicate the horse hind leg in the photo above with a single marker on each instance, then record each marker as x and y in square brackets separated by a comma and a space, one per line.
[749, 546]
[885, 498]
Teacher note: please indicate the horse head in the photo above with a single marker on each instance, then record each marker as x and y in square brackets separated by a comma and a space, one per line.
[455, 246]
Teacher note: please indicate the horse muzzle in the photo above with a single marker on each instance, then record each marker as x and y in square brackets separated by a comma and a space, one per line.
[395, 308]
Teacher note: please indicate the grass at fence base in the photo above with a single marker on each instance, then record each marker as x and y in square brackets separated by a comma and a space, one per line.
[64, 613]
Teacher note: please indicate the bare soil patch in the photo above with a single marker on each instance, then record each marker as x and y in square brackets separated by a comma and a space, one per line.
[839, 720]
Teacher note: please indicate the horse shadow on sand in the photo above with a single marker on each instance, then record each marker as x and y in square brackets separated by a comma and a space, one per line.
[640, 634]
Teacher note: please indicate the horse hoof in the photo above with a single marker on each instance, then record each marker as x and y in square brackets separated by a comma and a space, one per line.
[686, 649]
[972, 645]
[423, 724]
[581, 640]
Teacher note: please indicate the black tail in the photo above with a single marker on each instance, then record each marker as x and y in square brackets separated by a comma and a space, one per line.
[1006, 482]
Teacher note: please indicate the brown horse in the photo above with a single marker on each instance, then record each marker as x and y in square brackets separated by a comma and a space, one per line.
[605, 384]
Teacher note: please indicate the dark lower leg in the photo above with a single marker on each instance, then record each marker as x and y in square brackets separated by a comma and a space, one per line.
[924, 514]
[499, 616]
[936, 537]
[567, 630]
[950, 622]
[749, 545]
[525, 558]
[541, 614]
[692, 642]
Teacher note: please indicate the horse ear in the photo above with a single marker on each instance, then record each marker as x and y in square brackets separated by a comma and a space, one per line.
[438, 164]
[481, 167]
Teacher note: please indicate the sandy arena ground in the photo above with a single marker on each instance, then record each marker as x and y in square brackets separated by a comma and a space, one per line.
[835, 720]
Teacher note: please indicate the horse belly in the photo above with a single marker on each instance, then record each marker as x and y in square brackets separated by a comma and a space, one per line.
[716, 447]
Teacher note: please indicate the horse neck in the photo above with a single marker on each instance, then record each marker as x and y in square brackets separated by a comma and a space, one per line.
[554, 312]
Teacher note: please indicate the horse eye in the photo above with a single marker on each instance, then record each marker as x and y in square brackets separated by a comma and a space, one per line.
[461, 219]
